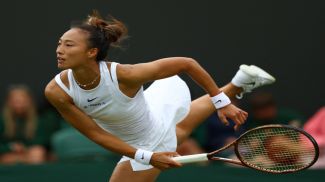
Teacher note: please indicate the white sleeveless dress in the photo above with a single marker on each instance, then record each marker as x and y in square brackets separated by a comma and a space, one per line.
[146, 121]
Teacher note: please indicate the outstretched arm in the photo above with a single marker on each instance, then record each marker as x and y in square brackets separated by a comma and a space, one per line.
[139, 74]
[131, 77]
[82, 122]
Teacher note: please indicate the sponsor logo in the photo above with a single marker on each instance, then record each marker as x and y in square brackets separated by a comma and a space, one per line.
[217, 101]
[90, 100]
[94, 105]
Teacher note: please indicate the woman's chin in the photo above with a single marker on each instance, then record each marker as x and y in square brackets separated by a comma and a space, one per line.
[61, 66]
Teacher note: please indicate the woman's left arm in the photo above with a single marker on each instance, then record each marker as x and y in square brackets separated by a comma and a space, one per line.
[138, 74]
[134, 76]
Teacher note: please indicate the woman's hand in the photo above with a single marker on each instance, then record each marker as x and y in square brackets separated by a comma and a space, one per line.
[234, 113]
[163, 160]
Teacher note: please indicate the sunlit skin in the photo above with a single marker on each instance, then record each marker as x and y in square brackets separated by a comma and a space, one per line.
[74, 53]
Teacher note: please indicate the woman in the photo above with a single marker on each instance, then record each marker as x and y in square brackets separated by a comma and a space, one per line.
[105, 100]
[20, 141]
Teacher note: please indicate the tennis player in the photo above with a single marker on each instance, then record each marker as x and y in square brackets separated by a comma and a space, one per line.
[107, 103]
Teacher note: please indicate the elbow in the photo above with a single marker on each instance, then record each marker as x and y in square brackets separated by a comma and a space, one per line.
[189, 64]
[190, 60]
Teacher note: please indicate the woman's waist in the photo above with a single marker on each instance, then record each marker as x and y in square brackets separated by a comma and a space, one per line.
[141, 134]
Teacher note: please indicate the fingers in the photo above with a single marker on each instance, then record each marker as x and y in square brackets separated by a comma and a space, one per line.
[223, 119]
[171, 154]
[241, 116]
[236, 127]
[163, 160]
[173, 163]
[237, 115]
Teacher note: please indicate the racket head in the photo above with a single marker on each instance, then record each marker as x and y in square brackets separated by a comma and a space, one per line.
[277, 149]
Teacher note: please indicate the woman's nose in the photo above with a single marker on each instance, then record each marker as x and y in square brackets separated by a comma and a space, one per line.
[59, 50]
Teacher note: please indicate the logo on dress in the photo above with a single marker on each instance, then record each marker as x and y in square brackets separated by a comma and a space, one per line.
[90, 103]
[89, 100]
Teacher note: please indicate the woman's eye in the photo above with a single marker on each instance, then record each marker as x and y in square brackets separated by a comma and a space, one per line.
[69, 45]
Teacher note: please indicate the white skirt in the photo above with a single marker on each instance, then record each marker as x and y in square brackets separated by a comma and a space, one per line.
[169, 100]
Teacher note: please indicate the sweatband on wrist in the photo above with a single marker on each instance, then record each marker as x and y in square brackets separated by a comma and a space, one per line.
[221, 100]
[143, 156]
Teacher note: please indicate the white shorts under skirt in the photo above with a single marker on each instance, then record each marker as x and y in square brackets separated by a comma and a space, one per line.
[168, 99]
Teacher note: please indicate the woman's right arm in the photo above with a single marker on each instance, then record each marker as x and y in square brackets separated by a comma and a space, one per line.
[82, 122]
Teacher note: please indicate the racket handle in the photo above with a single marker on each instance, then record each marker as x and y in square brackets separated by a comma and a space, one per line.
[191, 158]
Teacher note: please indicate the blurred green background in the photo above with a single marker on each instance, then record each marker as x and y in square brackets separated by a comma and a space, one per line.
[99, 171]
[285, 37]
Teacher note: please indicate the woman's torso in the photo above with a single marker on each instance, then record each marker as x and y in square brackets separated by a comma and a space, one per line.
[128, 118]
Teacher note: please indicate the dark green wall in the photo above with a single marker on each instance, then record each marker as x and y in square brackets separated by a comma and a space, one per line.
[284, 37]
[100, 172]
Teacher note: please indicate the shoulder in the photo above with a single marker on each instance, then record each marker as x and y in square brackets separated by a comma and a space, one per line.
[119, 67]
[64, 77]
[55, 95]
[52, 90]
[123, 71]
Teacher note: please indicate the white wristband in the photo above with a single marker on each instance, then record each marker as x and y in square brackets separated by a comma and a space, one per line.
[143, 156]
[221, 100]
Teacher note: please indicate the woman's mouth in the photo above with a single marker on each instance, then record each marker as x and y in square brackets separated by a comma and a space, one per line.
[60, 60]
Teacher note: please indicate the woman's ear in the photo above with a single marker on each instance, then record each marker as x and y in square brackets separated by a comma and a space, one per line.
[92, 53]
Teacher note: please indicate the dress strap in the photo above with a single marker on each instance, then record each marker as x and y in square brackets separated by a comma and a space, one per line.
[61, 84]
[113, 73]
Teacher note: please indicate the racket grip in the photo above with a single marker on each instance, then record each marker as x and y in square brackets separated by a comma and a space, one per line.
[191, 158]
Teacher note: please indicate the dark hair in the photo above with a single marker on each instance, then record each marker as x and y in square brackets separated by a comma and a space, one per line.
[103, 33]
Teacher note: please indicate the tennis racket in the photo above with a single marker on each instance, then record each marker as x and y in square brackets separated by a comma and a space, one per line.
[269, 148]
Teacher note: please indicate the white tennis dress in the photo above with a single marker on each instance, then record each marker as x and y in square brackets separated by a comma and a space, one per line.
[146, 121]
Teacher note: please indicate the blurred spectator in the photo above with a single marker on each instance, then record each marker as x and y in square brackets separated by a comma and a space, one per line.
[264, 110]
[23, 135]
[315, 126]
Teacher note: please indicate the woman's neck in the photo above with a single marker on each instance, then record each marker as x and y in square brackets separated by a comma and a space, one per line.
[87, 76]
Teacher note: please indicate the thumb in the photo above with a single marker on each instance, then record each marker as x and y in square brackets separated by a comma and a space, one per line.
[173, 162]
[223, 119]
[236, 127]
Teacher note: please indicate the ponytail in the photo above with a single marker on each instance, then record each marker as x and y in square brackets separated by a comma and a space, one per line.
[103, 33]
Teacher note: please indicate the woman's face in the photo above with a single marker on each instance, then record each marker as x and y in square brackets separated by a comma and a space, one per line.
[19, 101]
[72, 50]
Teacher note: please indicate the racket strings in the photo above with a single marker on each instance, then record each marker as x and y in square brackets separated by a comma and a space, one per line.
[276, 149]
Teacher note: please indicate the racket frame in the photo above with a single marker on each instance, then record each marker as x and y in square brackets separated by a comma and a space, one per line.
[312, 140]
[211, 156]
